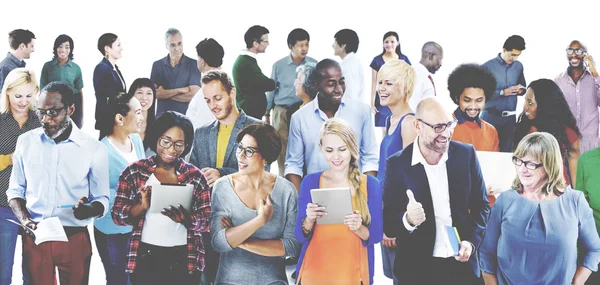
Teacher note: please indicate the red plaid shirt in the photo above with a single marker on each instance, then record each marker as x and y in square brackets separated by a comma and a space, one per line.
[133, 178]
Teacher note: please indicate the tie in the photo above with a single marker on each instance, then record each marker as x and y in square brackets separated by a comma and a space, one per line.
[431, 79]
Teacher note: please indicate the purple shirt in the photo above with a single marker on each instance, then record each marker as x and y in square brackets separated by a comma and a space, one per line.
[583, 99]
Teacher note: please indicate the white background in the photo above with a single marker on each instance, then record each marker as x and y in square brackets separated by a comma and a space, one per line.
[469, 31]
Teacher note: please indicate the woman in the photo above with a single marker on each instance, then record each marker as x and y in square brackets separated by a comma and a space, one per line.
[254, 214]
[143, 89]
[339, 253]
[108, 80]
[391, 50]
[548, 112]
[165, 248]
[62, 68]
[17, 116]
[395, 84]
[304, 90]
[124, 147]
[539, 229]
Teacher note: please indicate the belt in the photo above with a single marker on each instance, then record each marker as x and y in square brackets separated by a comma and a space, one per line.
[501, 113]
[285, 106]
[74, 230]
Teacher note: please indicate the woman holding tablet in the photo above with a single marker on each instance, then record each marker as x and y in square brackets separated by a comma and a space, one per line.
[339, 253]
[165, 248]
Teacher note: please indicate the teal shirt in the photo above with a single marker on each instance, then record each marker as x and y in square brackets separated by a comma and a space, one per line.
[588, 180]
[70, 73]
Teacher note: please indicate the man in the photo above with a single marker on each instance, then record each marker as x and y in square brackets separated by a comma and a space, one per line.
[303, 146]
[432, 55]
[210, 57]
[588, 182]
[510, 83]
[21, 46]
[249, 80]
[581, 86]
[176, 76]
[283, 100]
[429, 185]
[345, 45]
[54, 166]
[470, 86]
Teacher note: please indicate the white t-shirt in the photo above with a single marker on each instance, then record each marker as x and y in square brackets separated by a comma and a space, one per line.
[423, 86]
[353, 73]
[198, 111]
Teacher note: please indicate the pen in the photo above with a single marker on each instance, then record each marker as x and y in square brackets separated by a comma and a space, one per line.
[72, 205]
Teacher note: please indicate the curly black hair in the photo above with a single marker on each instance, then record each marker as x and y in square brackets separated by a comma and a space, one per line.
[470, 75]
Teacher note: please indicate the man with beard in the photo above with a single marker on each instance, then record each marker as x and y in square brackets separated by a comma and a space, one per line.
[57, 171]
[470, 86]
[432, 55]
[429, 185]
[580, 85]
[303, 145]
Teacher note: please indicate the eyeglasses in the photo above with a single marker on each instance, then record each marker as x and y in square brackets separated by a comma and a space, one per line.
[577, 51]
[441, 127]
[528, 164]
[52, 113]
[248, 151]
[167, 143]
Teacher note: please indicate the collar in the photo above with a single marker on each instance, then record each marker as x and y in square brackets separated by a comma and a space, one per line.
[417, 156]
[114, 67]
[167, 61]
[75, 136]
[458, 115]
[290, 60]
[250, 54]
[349, 56]
[501, 60]
[14, 59]
[315, 103]
[55, 62]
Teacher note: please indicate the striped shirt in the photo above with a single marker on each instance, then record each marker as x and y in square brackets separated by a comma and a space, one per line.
[134, 177]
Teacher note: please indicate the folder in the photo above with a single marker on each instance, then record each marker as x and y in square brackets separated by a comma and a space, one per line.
[454, 238]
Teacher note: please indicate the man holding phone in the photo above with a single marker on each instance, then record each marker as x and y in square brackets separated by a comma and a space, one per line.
[500, 110]
[581, 88]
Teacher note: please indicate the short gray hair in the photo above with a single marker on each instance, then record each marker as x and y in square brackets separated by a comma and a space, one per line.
[171, 32]
[309, 85]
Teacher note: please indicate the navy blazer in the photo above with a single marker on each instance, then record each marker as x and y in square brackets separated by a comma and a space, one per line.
[106, 84]
[468, 203]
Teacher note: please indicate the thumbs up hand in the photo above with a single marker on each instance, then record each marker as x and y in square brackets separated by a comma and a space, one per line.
[415, 215]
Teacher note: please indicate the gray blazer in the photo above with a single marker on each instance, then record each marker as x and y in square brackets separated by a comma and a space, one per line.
[204, 152]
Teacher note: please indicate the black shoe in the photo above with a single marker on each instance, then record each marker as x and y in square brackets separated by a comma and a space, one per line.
[294, 275]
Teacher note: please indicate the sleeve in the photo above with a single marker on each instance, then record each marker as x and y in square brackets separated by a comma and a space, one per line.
[303, 199]
[588, 241]
[98, 177]
[290, 244]
[488, 255]
[496, 141]
[597, 89]
[102, 83]
[5, 161]
[376, 211]
[522, 77]
[195, 74]
[3, 73]
[201, 202]
[479, 206]
[18, 182]
[195, 156]
[373, 64]
[44, 76]
[499, 88]
[127, 189]
[78, 79]
[155, 76]
[271, 94]
[261, 82]
[581, 176]
[218, 237]
[192, 111]
[295, 149]
[369, 150]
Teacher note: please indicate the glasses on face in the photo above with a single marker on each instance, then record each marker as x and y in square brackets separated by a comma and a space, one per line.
[440, 127]
[248, 151]
[577, 51]
[167, 143]
[52, 113]
[528, 164]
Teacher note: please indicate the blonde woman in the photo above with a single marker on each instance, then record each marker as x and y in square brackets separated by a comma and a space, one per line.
[339, 253]
[542, 231]
[17, 116]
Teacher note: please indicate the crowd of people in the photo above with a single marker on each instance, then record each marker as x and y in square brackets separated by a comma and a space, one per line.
[192, 123]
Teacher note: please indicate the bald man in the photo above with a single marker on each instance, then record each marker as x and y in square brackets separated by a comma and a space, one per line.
[432, 55]
[429, 185]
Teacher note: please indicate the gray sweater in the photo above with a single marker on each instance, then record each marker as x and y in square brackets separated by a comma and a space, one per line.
[238, 266]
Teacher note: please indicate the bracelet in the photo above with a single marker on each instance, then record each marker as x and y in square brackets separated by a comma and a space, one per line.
[304, 229]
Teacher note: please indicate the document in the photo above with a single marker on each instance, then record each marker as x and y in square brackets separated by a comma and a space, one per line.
[50, 229]
[497, 169]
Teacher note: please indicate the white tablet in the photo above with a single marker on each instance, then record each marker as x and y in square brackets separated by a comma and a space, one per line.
[337, 202]
[167, 195]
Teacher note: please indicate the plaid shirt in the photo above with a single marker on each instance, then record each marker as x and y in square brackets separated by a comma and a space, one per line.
[134, 177]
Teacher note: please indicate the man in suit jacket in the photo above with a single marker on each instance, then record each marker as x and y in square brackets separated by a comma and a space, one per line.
[431, 184]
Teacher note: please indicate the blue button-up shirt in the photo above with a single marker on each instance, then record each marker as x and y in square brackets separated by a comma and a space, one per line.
[184, 74]
[506, 76]
[303, 141]
[7, 65]
[48, 175]
[284, 75]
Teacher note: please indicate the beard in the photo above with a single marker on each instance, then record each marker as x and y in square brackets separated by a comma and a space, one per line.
[433, 145]
[469, 118]
[63, 126]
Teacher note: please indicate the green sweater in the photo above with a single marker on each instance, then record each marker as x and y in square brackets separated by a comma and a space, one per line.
[251, 85]
[588, 180]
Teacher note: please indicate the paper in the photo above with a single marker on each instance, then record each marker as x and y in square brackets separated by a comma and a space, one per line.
[49, 229]
[497, 169]
[453, 238]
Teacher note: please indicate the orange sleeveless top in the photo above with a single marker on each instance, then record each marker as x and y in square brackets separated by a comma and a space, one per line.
[335, 254]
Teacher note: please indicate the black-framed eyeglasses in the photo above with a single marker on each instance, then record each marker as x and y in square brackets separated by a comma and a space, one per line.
[441, 127]
[248, 151]
[528, 164]
[52, 113]
[577, 51]
[167, 143]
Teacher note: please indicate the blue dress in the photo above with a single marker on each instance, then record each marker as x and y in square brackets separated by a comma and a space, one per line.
[531, 242]
[384, 111]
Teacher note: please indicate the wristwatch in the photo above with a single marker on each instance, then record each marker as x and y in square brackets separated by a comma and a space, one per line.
[502, 92]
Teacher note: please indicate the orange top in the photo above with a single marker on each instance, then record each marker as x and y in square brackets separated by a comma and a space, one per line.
[484, 138]
[335, 254]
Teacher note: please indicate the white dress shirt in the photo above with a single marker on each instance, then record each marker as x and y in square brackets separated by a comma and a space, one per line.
[423, 86]
[352, 71]
[198, 111]
[437, 176]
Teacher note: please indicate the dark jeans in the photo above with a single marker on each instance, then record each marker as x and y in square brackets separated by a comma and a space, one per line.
[113, 251]
[450, 271]
[505, 136]
[163, 265]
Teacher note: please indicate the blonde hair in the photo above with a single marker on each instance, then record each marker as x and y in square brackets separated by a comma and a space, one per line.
[15, 79]
[402, 74]
[340, 128]
[543, 147]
